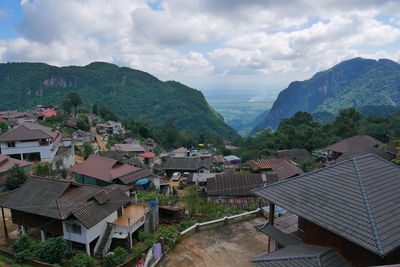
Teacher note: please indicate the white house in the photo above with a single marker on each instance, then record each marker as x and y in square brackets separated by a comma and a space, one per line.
[88, 216]
[30, 141]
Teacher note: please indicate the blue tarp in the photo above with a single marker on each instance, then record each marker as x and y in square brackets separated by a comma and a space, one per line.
[142, 181]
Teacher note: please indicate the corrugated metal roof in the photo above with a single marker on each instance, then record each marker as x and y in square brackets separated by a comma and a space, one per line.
[357, 199]
[286, 169]
[25, 132]
[297, 155]
[236, 184]
[277, 235]
[190, 164]
[302, 256]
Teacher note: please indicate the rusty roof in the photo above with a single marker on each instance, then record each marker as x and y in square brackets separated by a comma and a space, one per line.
[286, 169]
[352, 142]
[60, 199]
[268, 163]
[102, 168]
[218, 159]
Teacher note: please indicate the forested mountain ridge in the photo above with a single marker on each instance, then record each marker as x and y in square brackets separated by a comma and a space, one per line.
[353, 83]
[130, 93]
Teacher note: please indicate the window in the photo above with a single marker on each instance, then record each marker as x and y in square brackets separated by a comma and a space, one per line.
[11, 144]
[74, 228]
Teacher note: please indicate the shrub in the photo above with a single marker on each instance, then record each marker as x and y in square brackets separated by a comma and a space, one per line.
[137, 253]
[82, 260]
[183, 225]
[170, 234]
[22, 243]
[145, 236]
[51, 250]
[15, 178]
[116, 257]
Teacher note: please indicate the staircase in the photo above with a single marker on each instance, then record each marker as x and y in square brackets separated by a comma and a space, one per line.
[104, 244]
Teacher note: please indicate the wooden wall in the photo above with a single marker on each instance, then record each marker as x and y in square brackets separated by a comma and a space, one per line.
[48, 225]
[355, 254]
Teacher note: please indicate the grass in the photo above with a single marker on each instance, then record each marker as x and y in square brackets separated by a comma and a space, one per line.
[7, 261]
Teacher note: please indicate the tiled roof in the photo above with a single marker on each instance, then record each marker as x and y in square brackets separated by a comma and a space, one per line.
[180, 150]
[297, 155]
[189, 164]
[286, 169]
[102, 168]
[218, 158]
[60, 199]
[277, 235]
[268, 163]
[27, 131]
[253, 165]
[302, 256]
[236, 184]
[6, 163]
[365, 150]
[357, 199]
[352, 142]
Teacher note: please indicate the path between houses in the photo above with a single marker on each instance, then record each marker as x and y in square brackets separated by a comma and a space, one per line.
[232, 245]
[99, 139]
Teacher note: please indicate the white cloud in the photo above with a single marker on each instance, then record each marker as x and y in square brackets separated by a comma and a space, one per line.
[251, 42]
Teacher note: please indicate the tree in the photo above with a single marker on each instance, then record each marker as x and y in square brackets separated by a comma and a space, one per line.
[42, 169]
[116, 257]
[95, 109]
[170, 135]
[71, 100]
[347, 124]
[15, 178]
[3, 127]
[298, 119]
[82, 260]
[83, 123]
[87, 150]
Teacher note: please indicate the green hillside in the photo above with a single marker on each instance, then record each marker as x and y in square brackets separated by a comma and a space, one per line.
[353, 83]
[130, 93]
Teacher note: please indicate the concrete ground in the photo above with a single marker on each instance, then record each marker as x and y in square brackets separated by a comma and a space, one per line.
[232, 245]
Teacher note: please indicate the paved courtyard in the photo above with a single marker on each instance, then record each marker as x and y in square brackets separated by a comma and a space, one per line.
[232, 245]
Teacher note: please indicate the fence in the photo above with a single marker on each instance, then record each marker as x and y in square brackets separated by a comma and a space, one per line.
[223, 221]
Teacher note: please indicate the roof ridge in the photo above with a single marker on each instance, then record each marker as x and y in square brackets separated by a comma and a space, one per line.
[368, 207]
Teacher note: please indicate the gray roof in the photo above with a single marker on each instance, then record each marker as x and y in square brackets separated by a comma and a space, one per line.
[302, 256]
[361, 151]
[298, 155]
[357, 199]
[189, 164]
[351, 142]
[60, 199]
[277, 235]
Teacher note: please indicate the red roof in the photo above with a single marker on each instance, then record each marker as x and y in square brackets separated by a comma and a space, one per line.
[147, 155]
[3, 120]
[49, 113]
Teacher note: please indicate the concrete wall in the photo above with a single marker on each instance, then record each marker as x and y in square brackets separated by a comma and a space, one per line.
[29, 147]
[87, 235]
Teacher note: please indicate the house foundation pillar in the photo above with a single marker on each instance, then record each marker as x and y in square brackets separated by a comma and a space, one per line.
[42, 235]
[88, 248]
[23, 230]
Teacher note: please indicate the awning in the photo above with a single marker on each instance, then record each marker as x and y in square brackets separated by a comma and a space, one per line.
[277, 235]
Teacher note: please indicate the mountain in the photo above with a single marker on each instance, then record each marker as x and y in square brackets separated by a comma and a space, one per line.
[130, 93]
[353, 83]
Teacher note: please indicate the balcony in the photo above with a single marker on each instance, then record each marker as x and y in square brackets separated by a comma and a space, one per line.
[136, 214]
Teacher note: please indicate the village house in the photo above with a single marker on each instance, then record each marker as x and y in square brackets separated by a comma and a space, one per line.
[123, 158]
[129, 149]
[180, 152]
[88, 217]
[150, 143]
[263, 165]
[110, 128]
[102, 171]
[337, 149]
[351, 207]
[286, 169]
[191, 165]
[297, 155]
[6, 163]
[30, 141]
[235, 188]
[382, 152]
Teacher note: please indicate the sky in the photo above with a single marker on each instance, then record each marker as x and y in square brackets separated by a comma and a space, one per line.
[254, 47]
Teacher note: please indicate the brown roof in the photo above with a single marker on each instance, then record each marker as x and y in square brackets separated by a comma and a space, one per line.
[286, 169]
[6, 163]
[128, 148]
[218, 158]
[102, 168]
[351, 142]
[28, 131]
[180, 150]
[297, 155]
[60, 199]
[361, 151]
[236, 184]
[268, 163]
[254, 166]
[137, 175]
